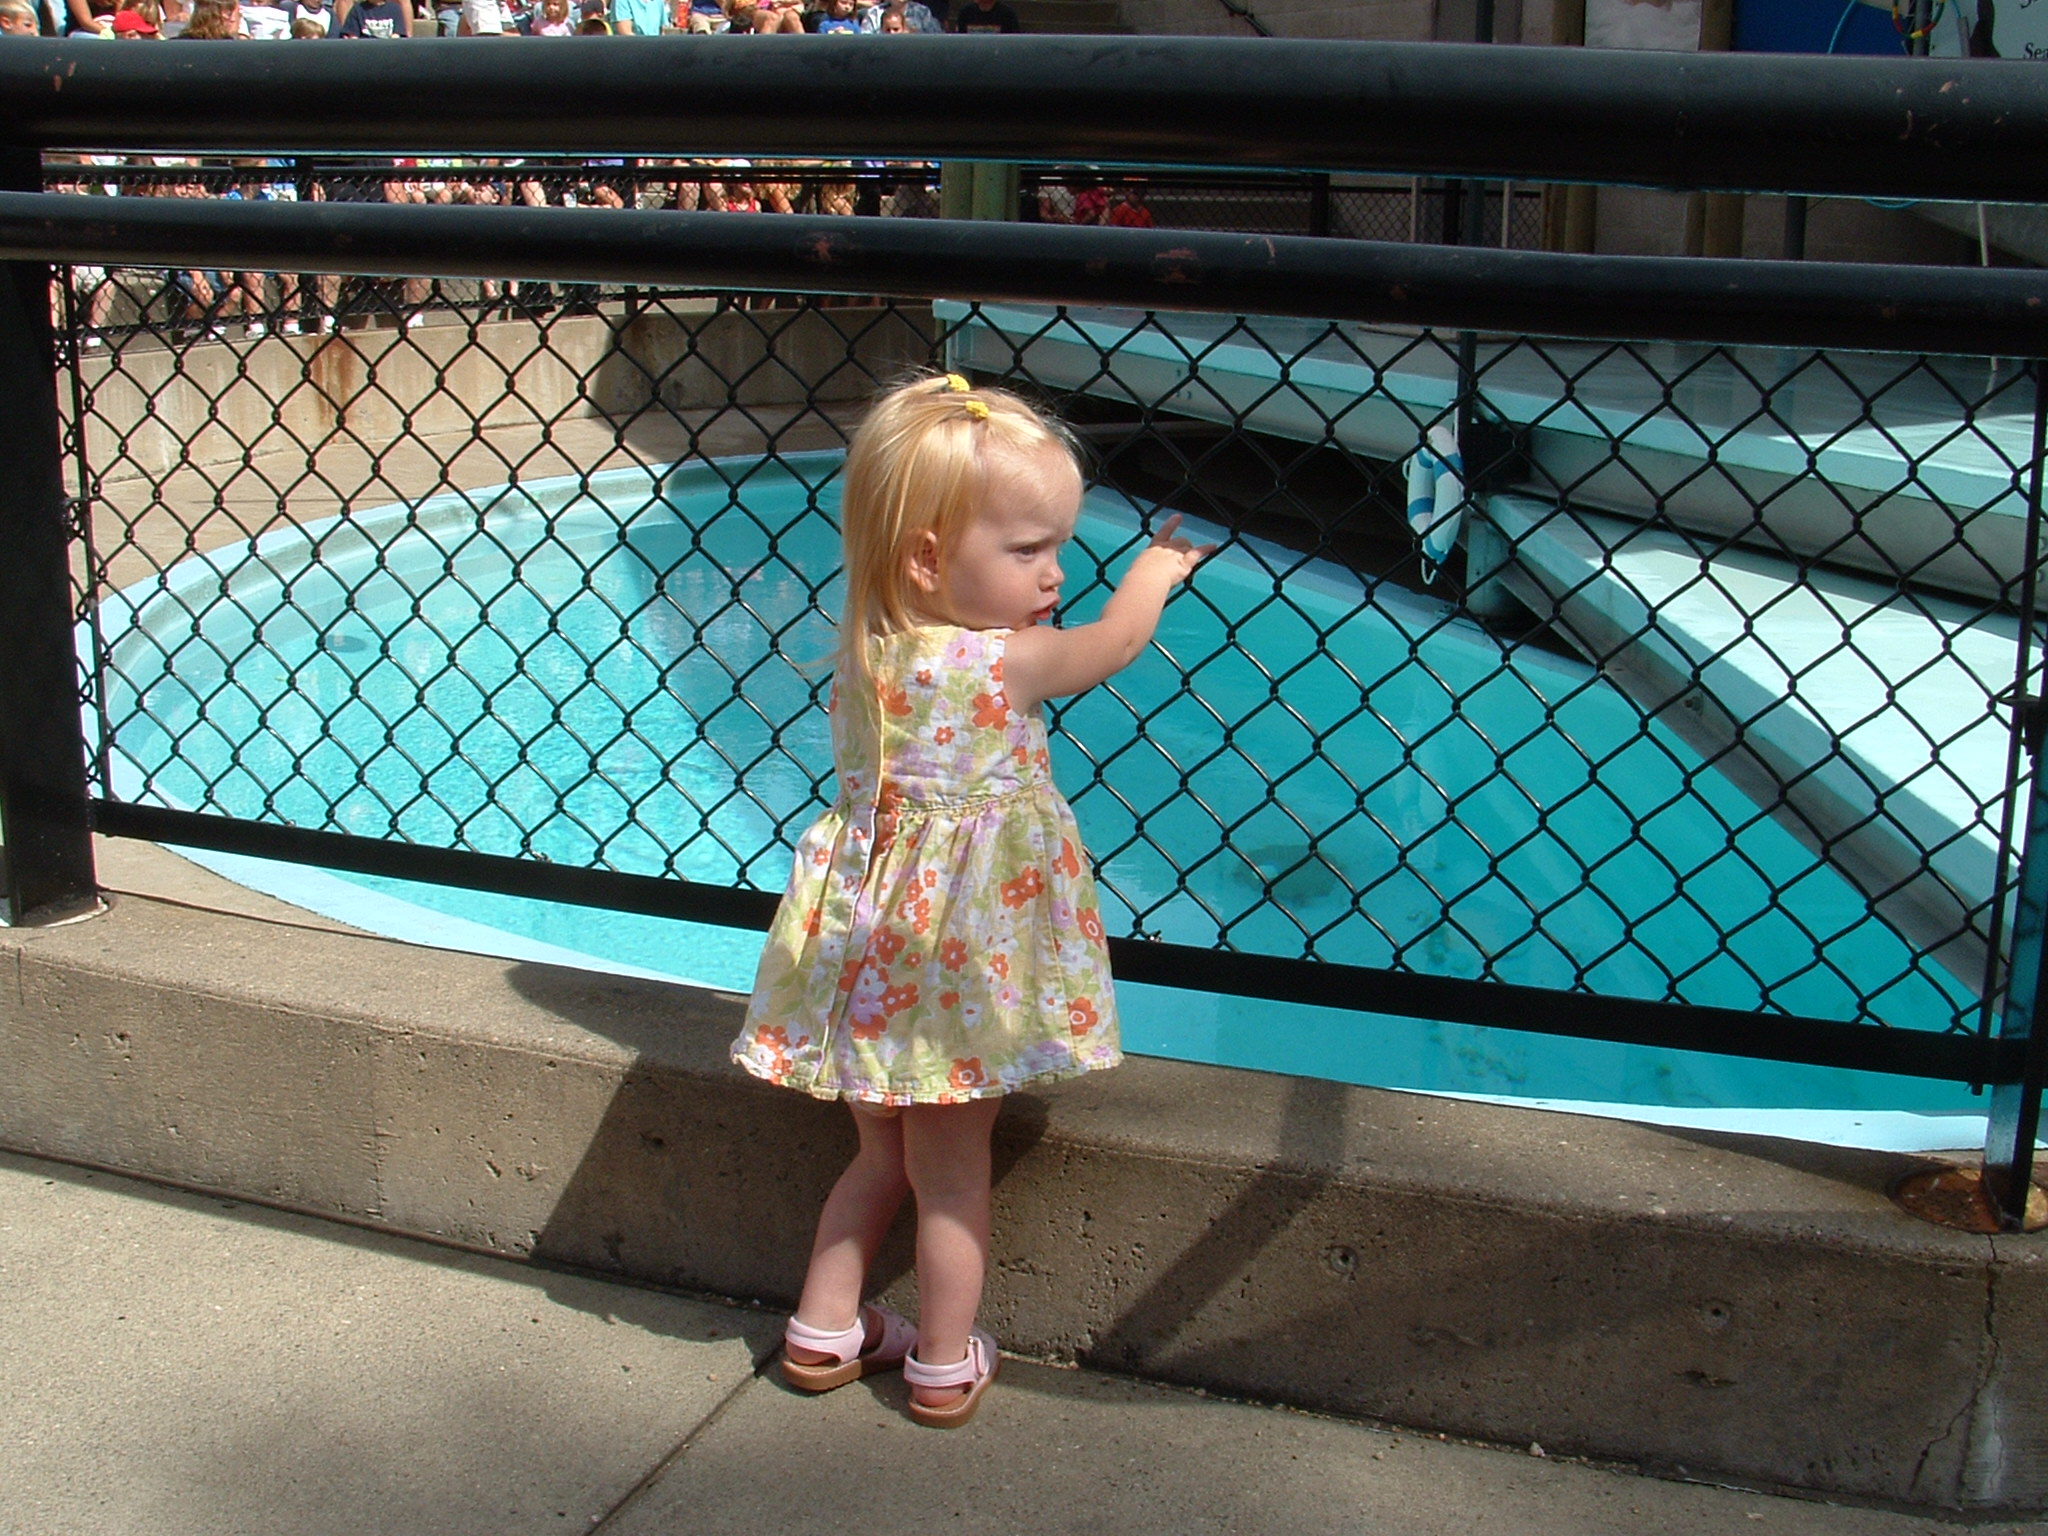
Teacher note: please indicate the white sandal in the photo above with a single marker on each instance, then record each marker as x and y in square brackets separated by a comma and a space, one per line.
[974, 1371]
[845, 1345]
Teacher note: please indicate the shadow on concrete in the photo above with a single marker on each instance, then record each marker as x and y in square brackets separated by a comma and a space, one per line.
[1311, 1140]
[698, 1175]
[619, 1299]
[1851, 1167]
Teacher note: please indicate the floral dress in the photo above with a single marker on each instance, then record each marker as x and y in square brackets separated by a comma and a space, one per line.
[940, 938]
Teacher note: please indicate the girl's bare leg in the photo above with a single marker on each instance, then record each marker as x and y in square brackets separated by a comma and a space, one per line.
[856, 1218]
[946, 1159]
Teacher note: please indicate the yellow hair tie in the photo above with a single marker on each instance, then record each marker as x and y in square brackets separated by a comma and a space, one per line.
[958, 384]
[977, 410]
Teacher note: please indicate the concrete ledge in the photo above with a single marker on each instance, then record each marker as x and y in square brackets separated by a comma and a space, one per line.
[1742, 1309]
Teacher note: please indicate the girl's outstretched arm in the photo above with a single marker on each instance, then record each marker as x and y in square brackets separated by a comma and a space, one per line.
[1043, 663]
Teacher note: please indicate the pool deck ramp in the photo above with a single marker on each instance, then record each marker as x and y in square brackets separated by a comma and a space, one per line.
[1695, 1305]
[187, 1365]
[1874, 727]
[1862, 459]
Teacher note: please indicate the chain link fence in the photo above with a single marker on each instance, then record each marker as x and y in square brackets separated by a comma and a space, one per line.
[1717, 699]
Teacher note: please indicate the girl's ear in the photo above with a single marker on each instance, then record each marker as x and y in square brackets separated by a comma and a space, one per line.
[923, 563]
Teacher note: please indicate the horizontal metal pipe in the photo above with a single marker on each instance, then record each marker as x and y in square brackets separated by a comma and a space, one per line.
[1966, 130]
[1997, 311]
[1724, 1031]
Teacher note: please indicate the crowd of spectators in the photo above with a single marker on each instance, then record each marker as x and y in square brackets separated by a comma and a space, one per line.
[206, 302]
[277, 20]
[202, 305]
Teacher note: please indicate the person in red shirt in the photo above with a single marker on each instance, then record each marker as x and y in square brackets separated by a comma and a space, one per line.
[1128, 208]
[1091, 202]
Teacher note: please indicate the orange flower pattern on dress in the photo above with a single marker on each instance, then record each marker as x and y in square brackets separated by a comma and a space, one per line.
[968, 1074]
[1021, 891]
[775, 1040]
[940, 938]
[916, 911]
[866, 1013]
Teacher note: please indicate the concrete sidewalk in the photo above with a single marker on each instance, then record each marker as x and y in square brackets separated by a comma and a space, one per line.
[175, 1363]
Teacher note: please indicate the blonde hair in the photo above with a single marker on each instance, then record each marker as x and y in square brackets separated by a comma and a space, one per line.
[920, 463]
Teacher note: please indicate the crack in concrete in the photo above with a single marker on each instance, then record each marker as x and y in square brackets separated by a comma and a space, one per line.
[1977, 1489]
[380, 1044]
[661, 1468]
[1965, 1418]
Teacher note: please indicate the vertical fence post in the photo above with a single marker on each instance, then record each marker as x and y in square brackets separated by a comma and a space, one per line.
[2015, 1117]
[1794, 247]
[1319, 204]
[44, 818]
[956, 189]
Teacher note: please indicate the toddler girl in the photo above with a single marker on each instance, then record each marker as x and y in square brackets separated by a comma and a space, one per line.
[939, 943]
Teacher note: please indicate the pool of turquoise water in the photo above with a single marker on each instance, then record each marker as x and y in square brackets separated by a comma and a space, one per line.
[625, 670]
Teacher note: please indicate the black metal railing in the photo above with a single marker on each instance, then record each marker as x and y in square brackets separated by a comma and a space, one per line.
[135, 305]
[1712, 730]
